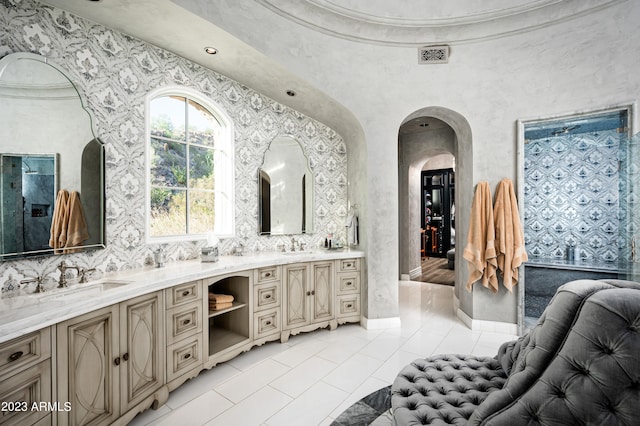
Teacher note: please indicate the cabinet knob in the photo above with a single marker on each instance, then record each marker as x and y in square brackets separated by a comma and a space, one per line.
[313, 292]
[349, 306]
[186, 322]
[349, 283]
[267, 323]
[117, 361]
[308, 293]
[185, 293]
[125, 357]
[348, 265]
[15, 356]
[268, 296]
[268, 274]
[187, 356]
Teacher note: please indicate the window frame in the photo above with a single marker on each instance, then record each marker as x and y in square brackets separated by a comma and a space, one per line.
[224, 171]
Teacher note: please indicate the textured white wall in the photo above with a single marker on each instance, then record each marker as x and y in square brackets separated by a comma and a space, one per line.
[584, 63]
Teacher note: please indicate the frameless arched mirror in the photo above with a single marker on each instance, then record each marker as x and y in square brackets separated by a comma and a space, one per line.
[285, 185]
[48, 149]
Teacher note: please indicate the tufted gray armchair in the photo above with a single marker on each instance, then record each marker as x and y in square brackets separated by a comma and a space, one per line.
[580, 365]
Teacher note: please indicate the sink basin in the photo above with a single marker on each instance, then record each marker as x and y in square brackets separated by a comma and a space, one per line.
[108, 285]
[83, 290]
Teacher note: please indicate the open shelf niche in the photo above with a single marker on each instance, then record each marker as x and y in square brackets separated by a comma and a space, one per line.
[229, 327]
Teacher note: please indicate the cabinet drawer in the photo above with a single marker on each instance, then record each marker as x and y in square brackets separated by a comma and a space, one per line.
[266, 323]
[183, 293]
[24, 351]
[20, 391]
[348, 305]
[183, 356]
[348, 283]
[184, 321]
[268, 274]
[266, 296]
[348, 265]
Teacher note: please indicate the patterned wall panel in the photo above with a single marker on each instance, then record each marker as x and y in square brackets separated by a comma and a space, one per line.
[115, 72]
[572, 196]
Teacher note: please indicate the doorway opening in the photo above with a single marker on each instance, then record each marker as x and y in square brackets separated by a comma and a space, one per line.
[426, 148]
[437, 221]
[576, 196]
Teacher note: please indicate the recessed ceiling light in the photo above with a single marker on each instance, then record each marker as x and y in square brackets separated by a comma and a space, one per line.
[291, 93]
[211, 50]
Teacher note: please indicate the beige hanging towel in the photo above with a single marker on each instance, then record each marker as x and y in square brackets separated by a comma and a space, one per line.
[60, 221]
[77, 230]
[509, 234]
[480, 251]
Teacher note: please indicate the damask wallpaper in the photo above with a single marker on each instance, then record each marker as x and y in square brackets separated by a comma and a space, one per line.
[572, 187]
[115, 72]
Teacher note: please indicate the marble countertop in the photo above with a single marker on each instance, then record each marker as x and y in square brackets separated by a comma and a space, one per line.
[23, 314]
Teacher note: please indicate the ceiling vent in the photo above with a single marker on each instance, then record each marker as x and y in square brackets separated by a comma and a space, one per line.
[433, 54]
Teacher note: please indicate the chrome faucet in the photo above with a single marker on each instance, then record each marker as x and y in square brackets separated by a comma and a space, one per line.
[62, 266]
[38, 280]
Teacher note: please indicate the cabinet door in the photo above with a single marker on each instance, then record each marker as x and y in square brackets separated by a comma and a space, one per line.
[22, 390]
[296, 293]
[142, 348]
[323, 291]
[87, 348]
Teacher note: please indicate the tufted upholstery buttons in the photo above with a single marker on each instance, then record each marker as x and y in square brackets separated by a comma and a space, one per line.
[578, 366]
[450, 388]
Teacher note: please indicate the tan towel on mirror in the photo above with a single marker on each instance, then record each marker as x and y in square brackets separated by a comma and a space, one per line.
[220, 298]
[480, 250]
[77, 230]
[509, 235]
[60, 221]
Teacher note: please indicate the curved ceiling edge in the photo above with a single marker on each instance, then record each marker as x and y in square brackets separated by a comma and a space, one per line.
[451, 31]
[467, 18]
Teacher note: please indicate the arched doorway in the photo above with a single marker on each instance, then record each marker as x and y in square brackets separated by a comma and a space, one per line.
[424, 143]
[423, 135]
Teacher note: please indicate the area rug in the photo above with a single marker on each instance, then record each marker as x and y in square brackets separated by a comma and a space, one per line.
[373, 409]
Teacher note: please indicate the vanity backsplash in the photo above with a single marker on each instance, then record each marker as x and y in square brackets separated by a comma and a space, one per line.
[115, 72]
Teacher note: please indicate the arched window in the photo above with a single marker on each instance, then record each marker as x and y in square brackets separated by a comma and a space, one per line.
[190, 167]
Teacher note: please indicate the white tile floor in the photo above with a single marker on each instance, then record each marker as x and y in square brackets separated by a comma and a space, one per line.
[315, 376]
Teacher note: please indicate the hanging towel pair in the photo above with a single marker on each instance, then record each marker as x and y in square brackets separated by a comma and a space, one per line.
[496, 239]
[480, 250]
[68, 227]
[509, 234]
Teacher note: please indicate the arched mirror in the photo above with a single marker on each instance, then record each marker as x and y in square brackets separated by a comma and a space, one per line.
[51, 162]
[285, 185]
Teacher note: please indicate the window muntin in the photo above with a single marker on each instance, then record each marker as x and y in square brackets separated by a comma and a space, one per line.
[190, 169]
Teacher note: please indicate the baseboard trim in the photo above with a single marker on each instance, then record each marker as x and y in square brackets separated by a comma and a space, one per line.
[380, 323]
[489, 326]
[415, 272]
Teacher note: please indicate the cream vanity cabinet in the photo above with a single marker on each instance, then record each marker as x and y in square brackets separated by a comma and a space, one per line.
[25, 379]
[267, 291]
[186, 306]
[348, 290]
[110, 360]
[308, 297]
